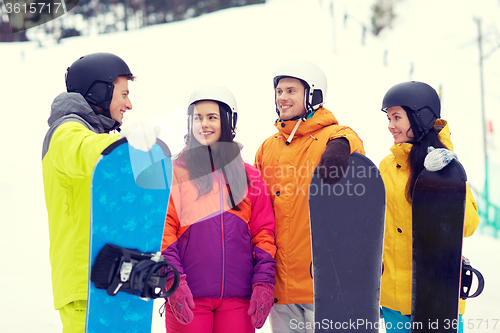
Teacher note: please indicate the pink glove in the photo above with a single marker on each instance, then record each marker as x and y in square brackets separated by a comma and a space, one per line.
[181, 301]
[261, 303]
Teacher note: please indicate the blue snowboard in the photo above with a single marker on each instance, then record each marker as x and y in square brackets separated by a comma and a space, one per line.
[130, 193]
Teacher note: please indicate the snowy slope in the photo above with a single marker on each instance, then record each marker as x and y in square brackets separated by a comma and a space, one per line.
[242, 48]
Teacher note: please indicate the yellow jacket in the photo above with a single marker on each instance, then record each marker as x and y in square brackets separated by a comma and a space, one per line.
[397, 277]
[71, 149]
[287, 171]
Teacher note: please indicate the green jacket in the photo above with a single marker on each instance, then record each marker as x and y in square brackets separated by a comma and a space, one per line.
[72, 146]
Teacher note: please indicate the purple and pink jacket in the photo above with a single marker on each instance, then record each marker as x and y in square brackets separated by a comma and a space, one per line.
[223, 252]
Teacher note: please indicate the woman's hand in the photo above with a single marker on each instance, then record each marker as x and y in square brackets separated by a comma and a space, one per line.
[437, 159]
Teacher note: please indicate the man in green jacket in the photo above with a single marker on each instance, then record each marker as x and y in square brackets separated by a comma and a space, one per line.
[80, 121]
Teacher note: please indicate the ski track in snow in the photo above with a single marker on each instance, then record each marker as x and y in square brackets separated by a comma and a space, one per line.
[229, 47]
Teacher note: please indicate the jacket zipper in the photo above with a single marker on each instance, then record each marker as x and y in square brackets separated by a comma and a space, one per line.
[222, 233]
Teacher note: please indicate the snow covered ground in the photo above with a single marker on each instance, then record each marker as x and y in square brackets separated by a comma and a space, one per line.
[241, 48]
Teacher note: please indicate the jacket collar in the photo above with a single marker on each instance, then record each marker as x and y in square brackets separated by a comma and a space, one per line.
[444, 133]
[74, 104]
[321, 118]
[401, 152]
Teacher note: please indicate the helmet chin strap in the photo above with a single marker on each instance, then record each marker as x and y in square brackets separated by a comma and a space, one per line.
[116, 125]
[421, 126]
[300, 119]
[308, 98]
[289, 140]
[106, 112]
[423, 133]
[99, 97]
[309, 110]
[100, 111]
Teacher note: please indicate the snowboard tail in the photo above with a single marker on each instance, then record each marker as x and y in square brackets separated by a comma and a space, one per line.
[347, 228]
[130, 194]
[438, 209]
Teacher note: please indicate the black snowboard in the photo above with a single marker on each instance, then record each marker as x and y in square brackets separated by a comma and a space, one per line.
[438, 224]
[347, 229]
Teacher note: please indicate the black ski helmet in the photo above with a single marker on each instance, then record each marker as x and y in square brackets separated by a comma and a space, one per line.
[92, 76]
[420, 101]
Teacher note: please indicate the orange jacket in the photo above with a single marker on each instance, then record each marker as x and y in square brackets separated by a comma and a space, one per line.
[287, 171]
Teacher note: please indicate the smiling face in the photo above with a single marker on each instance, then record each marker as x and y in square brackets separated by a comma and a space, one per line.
[399, 124]
[120, 102]
[290, 98]
[206, 122]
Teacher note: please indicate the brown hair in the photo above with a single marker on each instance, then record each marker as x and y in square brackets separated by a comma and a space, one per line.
[224, 155]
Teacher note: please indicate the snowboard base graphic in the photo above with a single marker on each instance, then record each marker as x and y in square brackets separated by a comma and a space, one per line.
[130, 193]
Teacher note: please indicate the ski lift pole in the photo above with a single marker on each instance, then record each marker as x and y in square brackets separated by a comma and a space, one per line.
[485, 148]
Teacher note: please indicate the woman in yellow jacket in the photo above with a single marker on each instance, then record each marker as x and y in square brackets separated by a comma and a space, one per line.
[413, 111]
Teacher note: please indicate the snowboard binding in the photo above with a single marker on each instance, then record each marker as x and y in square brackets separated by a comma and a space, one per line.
[143, 274]
[467, 274]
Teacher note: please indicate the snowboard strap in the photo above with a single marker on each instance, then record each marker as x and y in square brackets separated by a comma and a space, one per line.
[467, 274]
[143, 274]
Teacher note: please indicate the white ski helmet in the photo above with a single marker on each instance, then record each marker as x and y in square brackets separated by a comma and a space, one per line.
[312, 75]
[219, 94]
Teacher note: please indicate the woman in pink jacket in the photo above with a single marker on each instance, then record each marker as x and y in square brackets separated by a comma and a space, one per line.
[219, 229]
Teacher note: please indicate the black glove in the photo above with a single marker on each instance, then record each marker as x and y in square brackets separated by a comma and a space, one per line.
[334, 161]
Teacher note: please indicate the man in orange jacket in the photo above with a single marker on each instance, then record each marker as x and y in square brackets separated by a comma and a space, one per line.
[308, 137]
